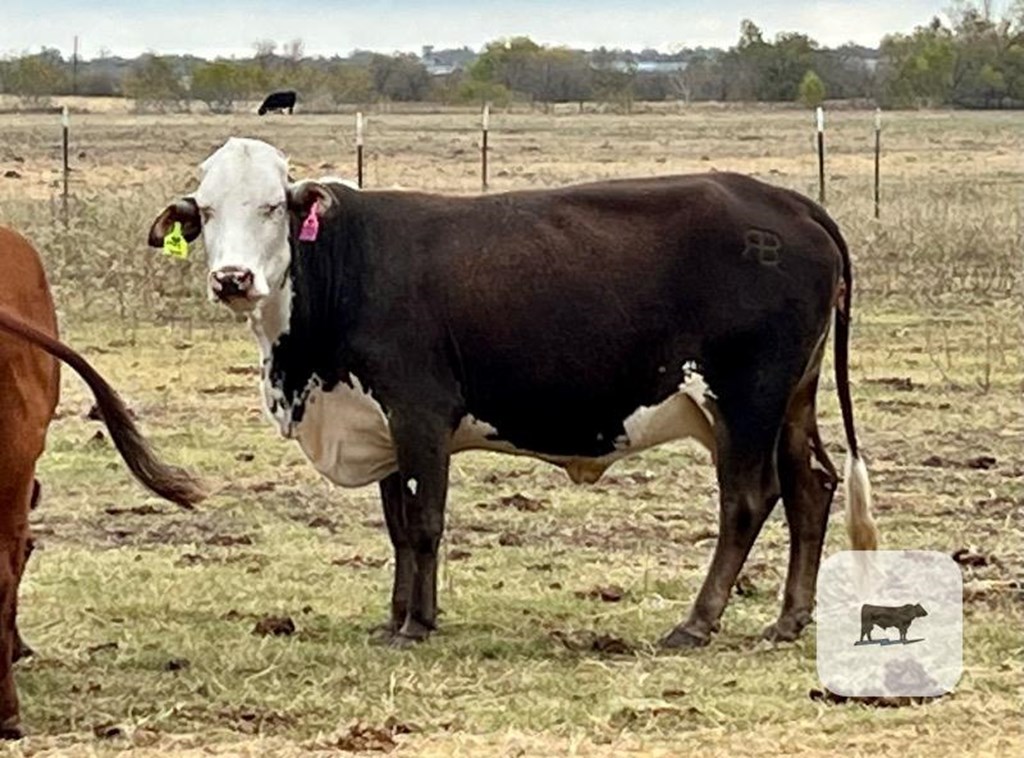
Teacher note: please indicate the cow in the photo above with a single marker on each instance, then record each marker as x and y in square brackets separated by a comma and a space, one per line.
[888, 617]
[278, 101]
[29, 388]
[577, 325]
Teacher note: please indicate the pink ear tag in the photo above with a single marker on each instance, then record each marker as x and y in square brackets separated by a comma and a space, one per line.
[310, 227]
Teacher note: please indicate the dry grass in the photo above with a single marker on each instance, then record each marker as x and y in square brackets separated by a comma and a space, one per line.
[118, 591]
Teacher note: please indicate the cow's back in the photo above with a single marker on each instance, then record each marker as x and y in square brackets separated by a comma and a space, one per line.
[636, 258]
[29, 377]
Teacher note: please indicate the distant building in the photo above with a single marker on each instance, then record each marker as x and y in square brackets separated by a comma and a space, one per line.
[446, 62]
[645, 66]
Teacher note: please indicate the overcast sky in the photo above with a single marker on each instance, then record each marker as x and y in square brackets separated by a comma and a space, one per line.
[229, 27]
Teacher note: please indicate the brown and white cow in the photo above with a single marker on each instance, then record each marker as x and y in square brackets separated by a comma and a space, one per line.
[29, 387]
[577, 325]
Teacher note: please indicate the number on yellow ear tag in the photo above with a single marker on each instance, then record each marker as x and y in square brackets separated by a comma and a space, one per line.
[175, 244]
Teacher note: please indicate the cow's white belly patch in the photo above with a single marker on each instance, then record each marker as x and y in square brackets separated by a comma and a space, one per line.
[345, 434]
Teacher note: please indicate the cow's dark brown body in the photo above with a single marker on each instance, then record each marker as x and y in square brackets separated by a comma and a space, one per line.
[555, 314]
[29, 387]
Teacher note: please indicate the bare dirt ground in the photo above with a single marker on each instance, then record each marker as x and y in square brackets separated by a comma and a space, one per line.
[145, 618]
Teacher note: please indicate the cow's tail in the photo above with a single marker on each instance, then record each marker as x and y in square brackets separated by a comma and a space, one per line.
[169, 482]
[859, 523]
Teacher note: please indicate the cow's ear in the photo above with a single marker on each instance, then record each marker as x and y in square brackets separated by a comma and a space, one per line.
[304, 195]
[184, 212]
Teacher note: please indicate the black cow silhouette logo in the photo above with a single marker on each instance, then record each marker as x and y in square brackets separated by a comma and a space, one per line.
[888, 617]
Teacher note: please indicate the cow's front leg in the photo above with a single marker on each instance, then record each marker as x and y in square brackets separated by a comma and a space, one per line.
[405, 566]
[422, 445]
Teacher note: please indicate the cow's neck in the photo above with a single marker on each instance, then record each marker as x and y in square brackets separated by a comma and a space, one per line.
[303, 328]
[271, 320]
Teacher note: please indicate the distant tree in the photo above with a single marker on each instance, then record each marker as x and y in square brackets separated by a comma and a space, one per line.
[812, 90]
[655, 86]
[614, 78]
[264, 48]
[512, 63]
[918, 67]
[295, 50]
[984, 56]
[36, 77]
[755, 69]
[791, 56]
[745, 64]
[220, 83]
[346, 83]
[563, 75]
[702, 79]
[399, 77]
[264, 62]
[472, 90]
[98, 84]
[153, 83]
[845, 71]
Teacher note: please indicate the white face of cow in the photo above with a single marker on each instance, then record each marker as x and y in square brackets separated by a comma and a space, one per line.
[242, 208]
[243, 205]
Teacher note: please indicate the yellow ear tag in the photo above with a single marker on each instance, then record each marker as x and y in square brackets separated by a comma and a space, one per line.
[175, 244]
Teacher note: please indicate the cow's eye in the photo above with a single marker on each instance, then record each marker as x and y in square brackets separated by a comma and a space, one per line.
[270, 209]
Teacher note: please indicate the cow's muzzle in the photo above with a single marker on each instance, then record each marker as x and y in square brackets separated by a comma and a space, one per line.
[233, 286]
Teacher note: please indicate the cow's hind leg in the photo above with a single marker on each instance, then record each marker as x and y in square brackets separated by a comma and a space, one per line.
[749, 489]
[808, 481]
[750, 404]
[405, 566]
[748, 493]
[21, 648]
[15, 492]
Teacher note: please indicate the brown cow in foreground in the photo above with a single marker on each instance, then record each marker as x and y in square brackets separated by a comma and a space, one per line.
[29, 387]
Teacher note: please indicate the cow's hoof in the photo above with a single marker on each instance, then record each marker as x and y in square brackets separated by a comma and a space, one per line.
[402, 641]
[381, 634]
[11, 729]
[786, 629]
[21, 650]
[680, 638]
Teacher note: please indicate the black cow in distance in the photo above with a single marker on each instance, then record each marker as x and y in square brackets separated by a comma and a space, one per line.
[278, 101]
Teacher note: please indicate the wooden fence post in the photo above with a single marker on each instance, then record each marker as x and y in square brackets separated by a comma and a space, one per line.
[878, 162]
[359, 149]
[65, 123]
[483, 146]
[820, 113]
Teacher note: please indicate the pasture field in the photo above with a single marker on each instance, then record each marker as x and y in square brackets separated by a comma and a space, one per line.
[143, 615]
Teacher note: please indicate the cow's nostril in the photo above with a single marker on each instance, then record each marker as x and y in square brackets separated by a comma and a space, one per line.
[231, 282]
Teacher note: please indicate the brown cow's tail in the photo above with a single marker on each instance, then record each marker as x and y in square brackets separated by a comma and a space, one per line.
[859, 523]
[169, 482]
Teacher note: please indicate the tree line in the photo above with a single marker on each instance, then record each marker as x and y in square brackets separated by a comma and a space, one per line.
[976, 60]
